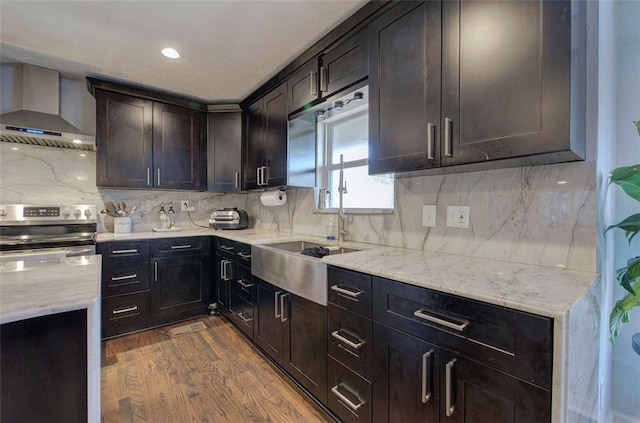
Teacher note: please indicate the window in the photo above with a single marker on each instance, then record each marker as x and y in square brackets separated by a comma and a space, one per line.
[343, 129]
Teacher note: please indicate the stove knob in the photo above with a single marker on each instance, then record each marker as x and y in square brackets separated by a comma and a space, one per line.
[87, 213]
[77, 213]
[3, 212]
[66, 213]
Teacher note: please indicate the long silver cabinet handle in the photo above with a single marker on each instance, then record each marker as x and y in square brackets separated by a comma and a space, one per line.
[313, 78]
[131, 251]
[258, 181]
[244, 255]
[223, 270]
[122, 278]
[324, 80]
[226, 247]
[350, 293]
[448, 138]
[237, 179]
[180, 247]
[158, 176]
[450, 407]
[148, 177]
[243, 284]
[244, 319]
[283, 318]
[336, 334]
[430, 141]
[346, 401]
[275, 305]
[125, 310]
[457, 326]
[155, 271]
[265, 175]
[426, 385]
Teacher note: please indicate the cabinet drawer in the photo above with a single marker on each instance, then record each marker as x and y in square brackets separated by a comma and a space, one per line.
[516, 342]
[350, 340]
[243, 253]
[180, 246]
[121, 276]
[124, 249]
[349, 395]
[122, 312]
[350, 290]
[226, 248]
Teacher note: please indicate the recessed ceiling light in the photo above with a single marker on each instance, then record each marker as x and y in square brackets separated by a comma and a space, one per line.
[171, 53]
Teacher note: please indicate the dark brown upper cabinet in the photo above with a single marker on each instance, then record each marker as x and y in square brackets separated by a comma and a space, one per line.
[224, 151]
[266, 140]
[462, 82]
[148, 144]
[404, 88]
[506, 80]
[344, 65]
[340, 67]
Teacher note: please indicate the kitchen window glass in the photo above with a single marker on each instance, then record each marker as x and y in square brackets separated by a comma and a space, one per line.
[343, 128]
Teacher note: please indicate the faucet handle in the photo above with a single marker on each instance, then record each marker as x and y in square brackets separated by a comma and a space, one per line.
[343, 188]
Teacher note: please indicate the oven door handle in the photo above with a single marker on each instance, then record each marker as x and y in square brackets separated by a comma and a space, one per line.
[89, 250]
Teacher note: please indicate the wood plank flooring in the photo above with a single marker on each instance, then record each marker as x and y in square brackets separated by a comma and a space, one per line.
[213, 375]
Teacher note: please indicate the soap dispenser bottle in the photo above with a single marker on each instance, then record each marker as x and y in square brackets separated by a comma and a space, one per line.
[163, 220]
[171, 217]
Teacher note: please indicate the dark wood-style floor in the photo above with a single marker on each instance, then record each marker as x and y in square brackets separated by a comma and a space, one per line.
[212, 375]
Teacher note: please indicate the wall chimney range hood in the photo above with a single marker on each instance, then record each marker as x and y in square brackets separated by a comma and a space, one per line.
[38, 122]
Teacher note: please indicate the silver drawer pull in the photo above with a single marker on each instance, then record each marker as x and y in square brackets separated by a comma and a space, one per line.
[449, 406]
[243, 284]
[179, 247]
[125, 310]
[426, 379]
[336, 334]
[226, 247]
[457, 326]
[346, 401]
[244, 319]
[244, 255]
[131, 251]
[348, 292]
[122, 278]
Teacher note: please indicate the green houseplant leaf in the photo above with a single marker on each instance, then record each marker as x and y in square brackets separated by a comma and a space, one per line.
[630, 225]
[621, 311]
[627, 178]
[629, 274]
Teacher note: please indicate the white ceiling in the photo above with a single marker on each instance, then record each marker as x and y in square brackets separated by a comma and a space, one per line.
[229, 48]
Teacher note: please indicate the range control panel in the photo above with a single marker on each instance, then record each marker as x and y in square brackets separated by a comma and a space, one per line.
[22, 214]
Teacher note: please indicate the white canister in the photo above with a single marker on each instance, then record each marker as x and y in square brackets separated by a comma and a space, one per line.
[122, 225]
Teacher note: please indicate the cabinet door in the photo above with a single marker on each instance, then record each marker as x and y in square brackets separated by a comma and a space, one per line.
[302, 86]
[178, 148]
[267, 330]
[345, 64]
[405, 377]
[473, 393]
[181, 286]
[124, 136]
[506, 82]
[305, 344]
[224, 151]
[404, 88]
[275, 136]
[254, 156]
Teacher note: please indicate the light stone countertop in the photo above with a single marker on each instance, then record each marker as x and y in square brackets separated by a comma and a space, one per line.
[546, 291]
[37, 288]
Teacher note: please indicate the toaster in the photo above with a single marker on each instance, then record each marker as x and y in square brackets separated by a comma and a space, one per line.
[229, 218]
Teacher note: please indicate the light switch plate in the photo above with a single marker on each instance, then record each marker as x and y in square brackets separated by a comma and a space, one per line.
[458, 216]
[429, 216]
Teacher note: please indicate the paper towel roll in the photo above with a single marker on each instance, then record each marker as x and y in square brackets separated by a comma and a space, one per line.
[273, 198]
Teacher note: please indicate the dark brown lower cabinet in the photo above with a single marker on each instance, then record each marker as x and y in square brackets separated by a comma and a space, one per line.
[405, 377]
[43, 369]
[293, 332]
[474, 393]
[414, 380]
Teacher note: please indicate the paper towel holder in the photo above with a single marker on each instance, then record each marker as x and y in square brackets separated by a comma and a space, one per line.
[274, 198]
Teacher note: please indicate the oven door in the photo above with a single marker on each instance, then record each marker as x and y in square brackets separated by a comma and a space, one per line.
[47, 253]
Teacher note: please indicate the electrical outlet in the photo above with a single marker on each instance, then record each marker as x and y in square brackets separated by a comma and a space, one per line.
[429, 216]
[185, 205]
[458, 216]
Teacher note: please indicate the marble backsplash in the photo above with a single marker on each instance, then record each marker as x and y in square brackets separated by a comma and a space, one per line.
[544, 215]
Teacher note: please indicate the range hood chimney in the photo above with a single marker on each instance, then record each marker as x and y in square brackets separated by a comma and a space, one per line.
[39, 121]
